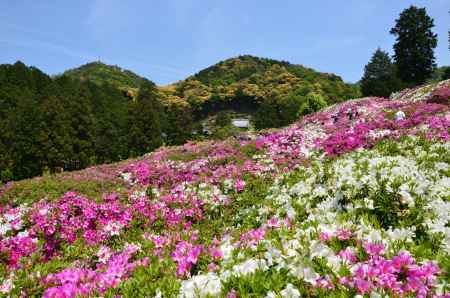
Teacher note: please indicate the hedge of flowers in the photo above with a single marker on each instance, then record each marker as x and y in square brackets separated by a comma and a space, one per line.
[347, 202]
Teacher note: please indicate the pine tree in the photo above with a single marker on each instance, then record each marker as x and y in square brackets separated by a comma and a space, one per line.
[379, 77]
[414, 47]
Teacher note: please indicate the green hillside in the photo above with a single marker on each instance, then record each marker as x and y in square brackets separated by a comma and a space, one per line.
[252, 79]
[100, 73]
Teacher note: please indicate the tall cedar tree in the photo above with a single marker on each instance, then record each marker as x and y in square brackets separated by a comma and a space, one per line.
[414, 47]
[145, 132]
[379, 77]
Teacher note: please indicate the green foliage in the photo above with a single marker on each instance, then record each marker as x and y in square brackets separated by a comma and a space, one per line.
[414, 47]
[440, 74]
[223, 132]
[145, 131]
[177, 123]
[279, 111]
[267, 114]
[446, 74]
[223, 119]
[110, 109]
[312, 103]
[100, 73]
[67, 124]
[52, 187]
[380, 78]
[248, 83]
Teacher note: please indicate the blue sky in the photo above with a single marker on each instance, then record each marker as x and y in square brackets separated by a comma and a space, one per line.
[168, 40]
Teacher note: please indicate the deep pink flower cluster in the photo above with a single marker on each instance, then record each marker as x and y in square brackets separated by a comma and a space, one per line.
[346, 137]
[252, 237]
[341, 234]
[75, 282]
[156, 173]
[74, 216]
[175, 209]
[399, 276]
[186, 255]
[16, 247]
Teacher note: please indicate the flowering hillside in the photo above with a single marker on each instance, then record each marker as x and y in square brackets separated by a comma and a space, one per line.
[353, 201]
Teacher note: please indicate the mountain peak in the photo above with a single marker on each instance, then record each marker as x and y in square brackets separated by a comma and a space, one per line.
[100, 73]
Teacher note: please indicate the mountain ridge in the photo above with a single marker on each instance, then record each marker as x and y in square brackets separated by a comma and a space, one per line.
[231, 73]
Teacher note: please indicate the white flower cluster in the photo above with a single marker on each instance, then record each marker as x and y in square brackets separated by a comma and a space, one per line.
[201, 286]
[336, 195]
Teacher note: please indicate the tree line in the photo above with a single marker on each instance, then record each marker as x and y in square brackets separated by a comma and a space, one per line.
[55, 124]
[68, 122]
[413, 62]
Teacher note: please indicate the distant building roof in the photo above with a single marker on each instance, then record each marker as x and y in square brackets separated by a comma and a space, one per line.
[241, 122]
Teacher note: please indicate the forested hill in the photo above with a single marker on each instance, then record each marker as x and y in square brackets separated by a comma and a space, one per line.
[251, 82]
[100, 73]
[99, 113]
[248, 69]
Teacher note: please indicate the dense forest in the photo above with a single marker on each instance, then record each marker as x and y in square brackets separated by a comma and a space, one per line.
[274, 90]
[100, 113]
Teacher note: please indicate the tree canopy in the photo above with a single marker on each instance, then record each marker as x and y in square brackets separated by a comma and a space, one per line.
[414, 46]
[380, 78]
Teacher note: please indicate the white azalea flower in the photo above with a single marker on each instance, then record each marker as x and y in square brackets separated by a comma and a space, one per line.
[201, 286]
[290, 292]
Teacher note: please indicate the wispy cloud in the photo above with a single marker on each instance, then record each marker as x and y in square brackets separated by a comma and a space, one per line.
[48, 46]
[18, 36]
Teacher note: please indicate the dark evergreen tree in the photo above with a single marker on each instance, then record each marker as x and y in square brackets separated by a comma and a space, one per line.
[145, 131]
[379, 77]
[64, 123]
[24, 148]
[414, 47]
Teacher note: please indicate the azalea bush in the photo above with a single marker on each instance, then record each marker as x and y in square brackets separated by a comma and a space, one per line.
[347, 202]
